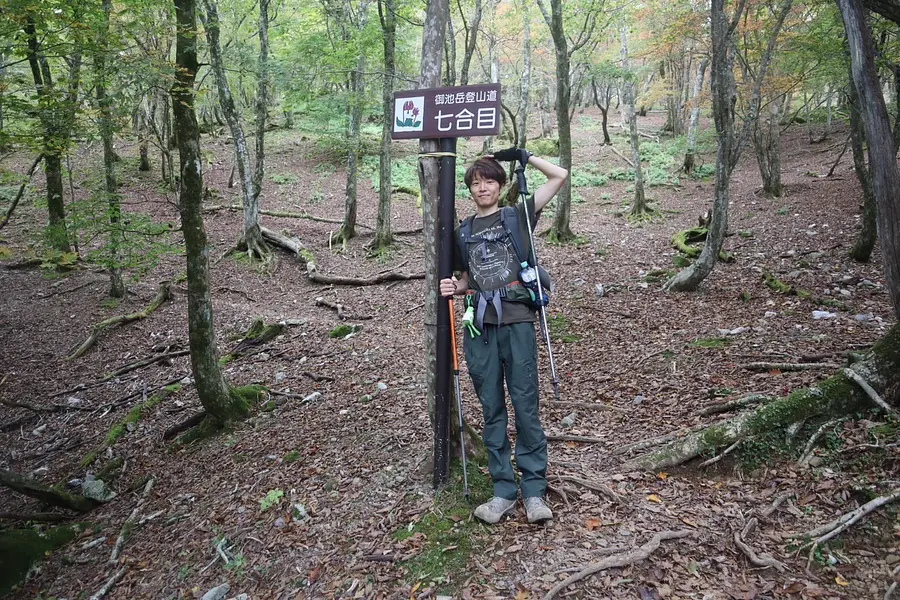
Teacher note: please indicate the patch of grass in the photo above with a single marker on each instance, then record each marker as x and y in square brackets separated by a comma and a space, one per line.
[782, 211]
[344, 330]
[658, 275]
[447, 535]
[703, 171]
[588, 175]
[284, 179]
[272, 498]
[292, 456]
[716, 343]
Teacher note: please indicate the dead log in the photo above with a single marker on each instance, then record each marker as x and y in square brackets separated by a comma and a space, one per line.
[363, 281]
[257, 335]
[163, 294]
[834, 397]
[45, 494]
[339, 309]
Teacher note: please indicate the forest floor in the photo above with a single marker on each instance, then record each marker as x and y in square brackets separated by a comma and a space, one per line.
[356, 456]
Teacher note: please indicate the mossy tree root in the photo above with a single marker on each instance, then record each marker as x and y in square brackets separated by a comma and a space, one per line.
[254, 245]
[683, 239]
[162, 294]
[835, 397]
[46, 494]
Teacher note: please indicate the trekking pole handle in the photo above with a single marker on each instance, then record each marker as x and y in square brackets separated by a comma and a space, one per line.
[520, 179]
[453, 335]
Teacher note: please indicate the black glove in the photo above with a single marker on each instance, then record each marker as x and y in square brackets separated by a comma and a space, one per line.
[511, 154]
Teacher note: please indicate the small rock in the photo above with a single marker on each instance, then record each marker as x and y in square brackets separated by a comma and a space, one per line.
[382, 386]
[579, 282]
[624, 532]
[97, 490]
[39, 430]
[217, 593]
[738, 330]
[272, 457]
[770, 314]
[187, 380]
[300, 513]
[568, 420]
[599, 290]
[262, 357]
[823, 314]
[639, 399]
[39, 472]
[74, 483]
[242, 597]
[867, 283]
[815, 461]
[280, 376]
[312, 397]
[865, 317]
[892, 559]
[845, 293]
[643, 285]
[343, 411]
[279, 523]
[73, 401]
[723, 332]
[130, 427]
[793, 275]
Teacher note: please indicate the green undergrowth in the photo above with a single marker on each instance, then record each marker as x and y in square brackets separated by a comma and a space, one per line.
[244, 398]
[447, 536]
[560, 329]
[715, 343]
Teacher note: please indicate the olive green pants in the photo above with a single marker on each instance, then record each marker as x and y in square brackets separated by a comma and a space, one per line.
[510, 352]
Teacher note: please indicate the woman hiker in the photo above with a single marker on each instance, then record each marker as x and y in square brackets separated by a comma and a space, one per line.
[501, 345]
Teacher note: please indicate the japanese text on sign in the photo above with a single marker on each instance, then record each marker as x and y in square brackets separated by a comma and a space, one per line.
[447, 112]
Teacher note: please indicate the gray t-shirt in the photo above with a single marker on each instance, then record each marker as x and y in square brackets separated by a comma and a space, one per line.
[493, 263]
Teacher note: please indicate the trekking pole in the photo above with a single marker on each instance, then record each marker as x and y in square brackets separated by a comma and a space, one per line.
[523, 190]
[462, 443]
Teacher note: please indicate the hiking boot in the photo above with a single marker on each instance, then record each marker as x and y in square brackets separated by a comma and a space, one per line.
[537, 510]
[495, 509]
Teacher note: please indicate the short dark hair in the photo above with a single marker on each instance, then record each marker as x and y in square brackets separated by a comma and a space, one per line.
[486, 168]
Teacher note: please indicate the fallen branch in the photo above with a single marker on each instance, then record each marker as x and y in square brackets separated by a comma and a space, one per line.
[576, 438]
[757, 560]
[605, 491]
[622, 156]
[317, 277]
[890, 591]
[584, 405]
[162, 295]
[129, 524]
[808, 449]
[109, 585]
[620, 560]
[142, 363]
[770, 366]
[21, 192]
[858, 380]
[289, 244]
[840, 156]
[775, 504]
[339, 308]
[744, 402]
[662, 439]
[279, 213]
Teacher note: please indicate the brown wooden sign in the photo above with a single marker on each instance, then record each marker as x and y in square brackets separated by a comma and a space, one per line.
[467, 111]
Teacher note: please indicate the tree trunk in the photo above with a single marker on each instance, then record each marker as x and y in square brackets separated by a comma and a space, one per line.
[450, 54]
[723, 90]
[116, 285]
[525, 87]
[493, 65]
[640, 201]
[868, 233]
[471, 39]
[882, 153]
[767, 143]
[357, 99]
[835, 397]
[212, 390]
[604, 109]
[694, 124]
[251, 238]
[561, 231]
[544, 105]
[383, 234]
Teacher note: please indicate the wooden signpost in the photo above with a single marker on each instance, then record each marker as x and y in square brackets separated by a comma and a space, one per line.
[445, 114]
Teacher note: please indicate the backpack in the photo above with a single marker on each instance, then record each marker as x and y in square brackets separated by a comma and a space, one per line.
[509, 220]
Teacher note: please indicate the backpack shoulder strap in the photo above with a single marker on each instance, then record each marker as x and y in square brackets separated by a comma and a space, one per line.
[463, 235]
[509, 219]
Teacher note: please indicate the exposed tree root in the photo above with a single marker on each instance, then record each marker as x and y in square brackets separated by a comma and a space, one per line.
[575, 438]
[162, 295]
[808, 449]
[724, 453]
[601, 489]
[339, 308]
[757, 560]
[45, 494]
[876, 398]
[837, 396]
[683, 239]
[43, 517]
[109, 585]
[130, 523]
[845, 521]
[744, 402]
[188, 423]
[773, 366]
[253, 244]
[257, 335]
[620, 560]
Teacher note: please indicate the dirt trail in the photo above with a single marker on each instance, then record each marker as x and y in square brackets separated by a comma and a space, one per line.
[354, 456]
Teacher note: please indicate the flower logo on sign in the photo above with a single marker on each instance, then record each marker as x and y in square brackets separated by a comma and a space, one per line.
[408, 114]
